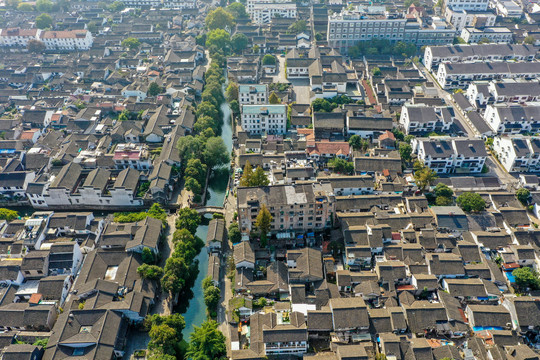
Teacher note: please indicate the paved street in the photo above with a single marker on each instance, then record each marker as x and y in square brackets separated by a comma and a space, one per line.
[280, 76]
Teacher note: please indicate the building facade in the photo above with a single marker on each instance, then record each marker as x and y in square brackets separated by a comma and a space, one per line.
[270, 119]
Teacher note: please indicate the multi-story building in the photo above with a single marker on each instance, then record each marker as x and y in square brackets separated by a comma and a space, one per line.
[518, 153]
[348, 27]
[250, 4]
[452, 76]
[424, 119]
[476, 5]
[435, 55]
[180, 4]
[446, 155]
[513, 119]
[263, 13]
[135, 156]
[510, 90]
[294, 208]
[141, 3]
[252, 94]
[491, 34]
[507, 8]
[16, 37]
[463, 18]
[67, 40]
[270, 119]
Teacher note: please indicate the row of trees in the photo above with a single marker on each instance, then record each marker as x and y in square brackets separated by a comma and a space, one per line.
[253, 178]
[382, 47]
[181, 268]
[212, 294]
[328, 105]
[155, 211]
[204, 150]
[8, 215]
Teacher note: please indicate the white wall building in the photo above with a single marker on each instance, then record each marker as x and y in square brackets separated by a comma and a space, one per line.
[16, 37]
[423, 119]
[264, 13]
[252, 94]
[518, 153]
[476, 5]
[67, 40]
[513, 119]
[447, 155]
[464, 18]
[271, 119]
[492, 34]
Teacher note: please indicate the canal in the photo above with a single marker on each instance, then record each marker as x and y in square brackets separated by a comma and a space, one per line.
[195, 314]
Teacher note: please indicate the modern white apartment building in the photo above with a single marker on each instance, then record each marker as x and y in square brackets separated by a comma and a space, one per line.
[16, 37]
[518, 153]
[451, 155]
[141, 3]
[349, 27]
[252, 94]
[67, 40]
[180, 4]
[492, 34]
[513, 119]
[476, 5]
[434, 55]
[250, 4]
[452, 76]
[463, 18]
[270, 119]
[423, 119]
[263, 13]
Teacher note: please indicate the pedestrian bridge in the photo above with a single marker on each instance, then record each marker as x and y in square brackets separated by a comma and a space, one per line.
[210, 210]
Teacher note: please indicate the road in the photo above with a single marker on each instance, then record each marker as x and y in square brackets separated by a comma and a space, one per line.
[443, 94]
[280, 77]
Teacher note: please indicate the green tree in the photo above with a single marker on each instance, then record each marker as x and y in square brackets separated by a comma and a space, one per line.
[207, 282]
[151, 272]
[190, 147]
[424, 177]
[355, 141]
[154, 89]
[8, 215]
[274, 99]
[44, 21]
[245, 179]
[207, 109]
[117, 6]
[218, 39]
[219, 19]
[216, 153]
[443, 190]
[408, 3]
[239, 42]
[259, 178]
[92, 27]
[269, 60]
[44, 6]
[375, 71]
[405, 151]
[207, 342]
[526, 278]
[25, 7]
[212, 295]
[35, 46]
[157, 212]
[298, 26]
[341, 166]
[147, 256]
[237, 10]
[459, 40]
[523, 196]
[471, 202]
[529, 40]
[263, 223]
[193, 185]
[443, 201]
[231, 93]
[196, 169]
[188, 219]
[131, 43]
[163, 337]
[234, 233]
